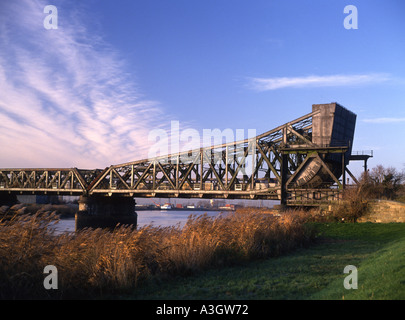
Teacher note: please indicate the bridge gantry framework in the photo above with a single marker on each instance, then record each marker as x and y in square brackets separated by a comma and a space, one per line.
[248, 169]
[299, 163]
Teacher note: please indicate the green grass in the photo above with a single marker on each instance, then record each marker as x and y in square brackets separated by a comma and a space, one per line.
[377, 250]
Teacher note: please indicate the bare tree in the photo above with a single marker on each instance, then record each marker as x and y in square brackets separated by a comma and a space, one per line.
[384, 182]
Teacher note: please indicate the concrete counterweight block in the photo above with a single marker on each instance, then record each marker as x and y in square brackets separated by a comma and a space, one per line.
[97, 211]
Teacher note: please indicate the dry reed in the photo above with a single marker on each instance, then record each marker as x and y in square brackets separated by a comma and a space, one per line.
[95, 262]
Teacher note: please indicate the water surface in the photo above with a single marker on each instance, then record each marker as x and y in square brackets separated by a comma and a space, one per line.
[162, 218]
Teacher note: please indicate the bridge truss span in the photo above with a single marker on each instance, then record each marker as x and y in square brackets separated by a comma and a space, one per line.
[43, 181]
[301, 162]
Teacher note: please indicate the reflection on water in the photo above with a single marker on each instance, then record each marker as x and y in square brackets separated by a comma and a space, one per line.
[162, 218]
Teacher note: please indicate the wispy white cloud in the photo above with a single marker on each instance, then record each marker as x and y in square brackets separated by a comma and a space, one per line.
[384, 120]
[266, 84]
[65, 96]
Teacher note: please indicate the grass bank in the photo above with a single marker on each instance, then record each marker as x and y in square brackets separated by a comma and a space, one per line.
[377, 250]
[248, 255]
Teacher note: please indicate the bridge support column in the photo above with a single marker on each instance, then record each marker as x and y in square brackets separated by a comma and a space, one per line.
[283, 173]
[98, 211]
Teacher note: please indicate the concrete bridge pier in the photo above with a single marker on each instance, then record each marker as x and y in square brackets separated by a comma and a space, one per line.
[97, 211]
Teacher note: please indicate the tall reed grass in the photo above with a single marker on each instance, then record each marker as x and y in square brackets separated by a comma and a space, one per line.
[92, 262]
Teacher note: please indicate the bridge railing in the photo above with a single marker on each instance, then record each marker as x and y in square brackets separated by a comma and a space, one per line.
[363, 153]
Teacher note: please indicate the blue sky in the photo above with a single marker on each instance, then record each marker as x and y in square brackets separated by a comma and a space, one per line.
[88, 93]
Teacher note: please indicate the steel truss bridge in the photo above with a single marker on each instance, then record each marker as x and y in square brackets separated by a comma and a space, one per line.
[303, 162]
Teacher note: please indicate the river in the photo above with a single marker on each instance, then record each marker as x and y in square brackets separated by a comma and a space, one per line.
[162, 218]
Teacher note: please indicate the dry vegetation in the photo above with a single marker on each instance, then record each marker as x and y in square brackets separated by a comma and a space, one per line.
[94, 262]
[380, 183]
[62, 210]
[354, 205]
